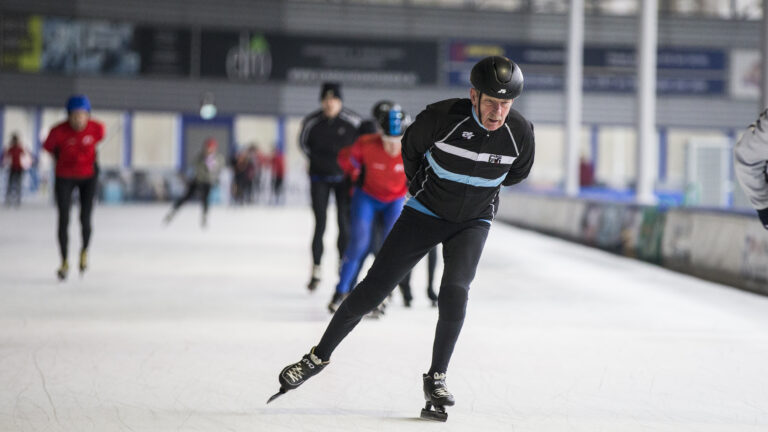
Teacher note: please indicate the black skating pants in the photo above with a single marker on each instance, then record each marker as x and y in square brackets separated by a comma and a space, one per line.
[320, 192]
[405, 284]
[13, 189]
[87, 191]
[205, 190]
[413, 235]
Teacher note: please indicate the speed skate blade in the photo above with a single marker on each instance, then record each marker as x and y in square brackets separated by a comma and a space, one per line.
[276, 395]
[434, 415]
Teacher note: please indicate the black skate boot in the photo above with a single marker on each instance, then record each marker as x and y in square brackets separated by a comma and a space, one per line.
[405, 289]
[336, 300]
[169, 217]
[62, 271]
[377, 312]
[437, 396]
[432, 296]
[83, 261]
[314, 280]
[294, 375]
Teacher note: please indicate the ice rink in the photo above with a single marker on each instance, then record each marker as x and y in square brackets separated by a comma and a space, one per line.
[179, 328]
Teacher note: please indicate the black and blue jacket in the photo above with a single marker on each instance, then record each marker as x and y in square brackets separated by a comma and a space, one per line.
[456, 167]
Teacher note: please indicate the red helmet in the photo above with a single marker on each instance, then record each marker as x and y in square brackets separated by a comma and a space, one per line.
[211, 143]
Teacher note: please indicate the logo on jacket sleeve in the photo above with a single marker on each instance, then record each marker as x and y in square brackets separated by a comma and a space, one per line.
[494, 159]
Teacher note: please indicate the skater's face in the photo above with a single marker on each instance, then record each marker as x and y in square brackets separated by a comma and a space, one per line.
[392, 145]
[491, 111]
[78, 119]
[331, 106]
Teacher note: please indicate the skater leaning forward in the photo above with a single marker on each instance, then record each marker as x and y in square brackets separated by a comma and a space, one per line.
[457, 154]
[72, 144]
[377, 158]
[208, 165]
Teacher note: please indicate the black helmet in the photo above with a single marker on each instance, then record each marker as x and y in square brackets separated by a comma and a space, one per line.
[390, 117]
[497, 76]
[380, 106]
[367, 127]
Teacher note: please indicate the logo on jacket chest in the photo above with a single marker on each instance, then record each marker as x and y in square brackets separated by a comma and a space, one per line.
[383, 167]
[494, 159]
[467, 135]
[86, 140]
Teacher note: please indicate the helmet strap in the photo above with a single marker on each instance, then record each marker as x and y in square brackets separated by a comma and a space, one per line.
[479, 98]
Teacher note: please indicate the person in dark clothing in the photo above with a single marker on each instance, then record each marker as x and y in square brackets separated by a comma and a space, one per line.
[457, 155]
[207, 167]
[277, 163]
[73, 145]
[323, 134]
[242, 184]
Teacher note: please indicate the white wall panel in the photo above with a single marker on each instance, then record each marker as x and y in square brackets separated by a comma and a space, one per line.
[155, 140]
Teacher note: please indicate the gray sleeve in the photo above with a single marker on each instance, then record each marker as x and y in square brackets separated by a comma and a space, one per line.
[749, 157]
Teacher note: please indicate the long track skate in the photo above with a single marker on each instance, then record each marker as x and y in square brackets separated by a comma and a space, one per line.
[434, 412]
[437, 396]
[294, 375]
[280, 392]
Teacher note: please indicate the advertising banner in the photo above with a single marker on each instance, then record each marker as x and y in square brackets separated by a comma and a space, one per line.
[21, 42]
[745, 74]
[88, 47]
[163, 51]
[255, 56]
[606, 69]
[91, 47]
[238, 56]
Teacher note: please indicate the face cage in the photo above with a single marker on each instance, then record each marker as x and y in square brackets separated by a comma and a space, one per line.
[394, 123]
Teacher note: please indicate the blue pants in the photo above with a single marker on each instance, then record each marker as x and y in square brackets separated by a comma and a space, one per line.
[365, 209]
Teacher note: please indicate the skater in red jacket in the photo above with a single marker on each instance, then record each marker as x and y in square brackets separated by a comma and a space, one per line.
[381, 195]
[72, 144]
[15, 157]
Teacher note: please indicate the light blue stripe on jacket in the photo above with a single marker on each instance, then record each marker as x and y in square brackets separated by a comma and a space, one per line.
[462, 178]
[416, 205]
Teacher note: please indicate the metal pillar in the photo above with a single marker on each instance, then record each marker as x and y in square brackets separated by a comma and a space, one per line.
[574, 90]
[647, 145]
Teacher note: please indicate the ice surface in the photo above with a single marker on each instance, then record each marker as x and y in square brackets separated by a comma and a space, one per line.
[179, 328]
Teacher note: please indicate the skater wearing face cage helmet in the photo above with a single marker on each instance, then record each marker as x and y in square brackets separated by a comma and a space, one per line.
[457, 155]
[381, 195]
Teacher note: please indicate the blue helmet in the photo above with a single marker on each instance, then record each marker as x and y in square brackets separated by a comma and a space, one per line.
[78, 102]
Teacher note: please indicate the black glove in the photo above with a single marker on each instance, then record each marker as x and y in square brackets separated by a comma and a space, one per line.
[763, 214]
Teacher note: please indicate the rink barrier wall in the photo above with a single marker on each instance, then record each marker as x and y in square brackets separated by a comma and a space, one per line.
[725, 247]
